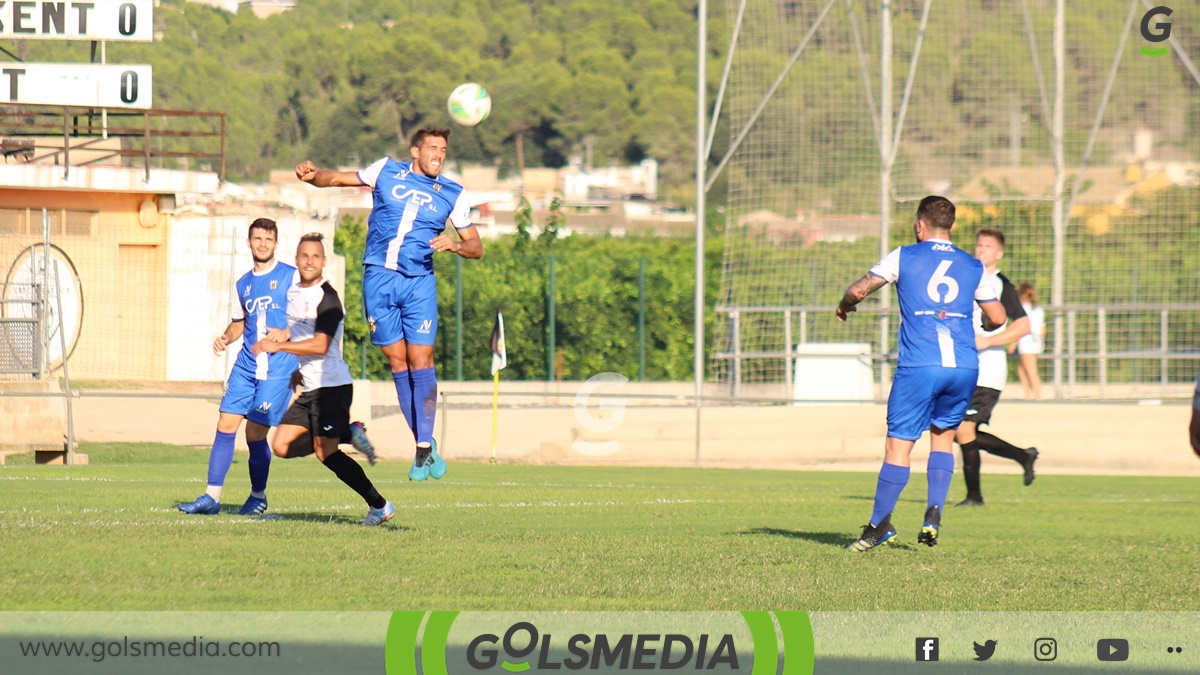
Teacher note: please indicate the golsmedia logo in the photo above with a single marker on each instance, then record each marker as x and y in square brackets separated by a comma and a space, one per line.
[469, 643]
[644, 651]
[1156, 31]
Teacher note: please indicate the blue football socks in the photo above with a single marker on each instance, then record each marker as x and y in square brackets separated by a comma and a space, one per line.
[892, 479]
[425, 402]
[404, 392]
[221, 458]
[939, 471]
[260, 465]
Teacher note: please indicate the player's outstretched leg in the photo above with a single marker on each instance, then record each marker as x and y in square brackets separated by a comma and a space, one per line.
[939, 471]
[219, 461]
[971, 467]
[1002, 448]
[891, 482]
[351, 473]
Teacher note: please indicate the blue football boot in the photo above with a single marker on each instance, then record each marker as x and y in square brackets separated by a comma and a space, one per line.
[203, 506]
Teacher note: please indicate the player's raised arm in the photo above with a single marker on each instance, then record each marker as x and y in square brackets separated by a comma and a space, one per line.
[309, 173]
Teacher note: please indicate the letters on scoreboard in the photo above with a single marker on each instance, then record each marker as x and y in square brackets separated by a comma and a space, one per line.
[112, 20]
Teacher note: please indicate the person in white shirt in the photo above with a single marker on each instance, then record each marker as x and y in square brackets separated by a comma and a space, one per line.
[993, 372]
[1029, 347]
[320, 418]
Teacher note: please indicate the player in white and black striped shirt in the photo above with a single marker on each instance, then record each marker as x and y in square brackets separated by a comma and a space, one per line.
[320, 418]
[993, 372]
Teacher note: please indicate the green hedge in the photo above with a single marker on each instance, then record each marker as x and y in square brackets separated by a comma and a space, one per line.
[596, 295]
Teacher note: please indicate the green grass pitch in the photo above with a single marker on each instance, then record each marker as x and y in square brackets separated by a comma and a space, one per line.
[107, 537]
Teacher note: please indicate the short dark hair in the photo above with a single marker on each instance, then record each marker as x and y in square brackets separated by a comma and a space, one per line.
[264, 224]
[419, 137]
[991, 232]
[313, 236]
[937, 212]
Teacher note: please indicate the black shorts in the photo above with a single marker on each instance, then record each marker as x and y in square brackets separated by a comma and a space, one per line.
[982, 402]
[325, 412]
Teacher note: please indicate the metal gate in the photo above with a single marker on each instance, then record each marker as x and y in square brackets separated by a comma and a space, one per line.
[21, 329]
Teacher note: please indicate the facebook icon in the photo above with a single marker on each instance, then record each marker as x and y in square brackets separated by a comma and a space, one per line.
[927, 649]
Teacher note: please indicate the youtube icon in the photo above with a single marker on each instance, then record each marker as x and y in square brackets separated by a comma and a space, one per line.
[1112, 649]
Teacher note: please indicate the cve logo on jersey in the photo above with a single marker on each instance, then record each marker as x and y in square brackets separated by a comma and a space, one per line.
[643, 651]
[260, 304]
[412, 196]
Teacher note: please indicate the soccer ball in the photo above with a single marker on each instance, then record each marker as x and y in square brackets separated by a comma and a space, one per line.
[469, 104]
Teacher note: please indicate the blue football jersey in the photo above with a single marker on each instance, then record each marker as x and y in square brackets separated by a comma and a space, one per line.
[409, 210]
[262, 304]
[937, 284]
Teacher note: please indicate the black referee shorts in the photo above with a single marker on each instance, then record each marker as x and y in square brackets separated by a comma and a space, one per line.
[982, 402]
[325, 412]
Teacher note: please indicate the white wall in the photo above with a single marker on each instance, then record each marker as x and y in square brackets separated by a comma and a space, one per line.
[205, 255]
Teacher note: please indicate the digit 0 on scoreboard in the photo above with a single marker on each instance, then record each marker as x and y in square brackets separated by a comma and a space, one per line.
[110, 20]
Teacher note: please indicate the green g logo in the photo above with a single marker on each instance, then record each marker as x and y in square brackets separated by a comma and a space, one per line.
[1161, 30]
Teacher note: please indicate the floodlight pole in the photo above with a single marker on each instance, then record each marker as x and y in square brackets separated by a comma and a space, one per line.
[1056, 146]
[701, 165]
[885, 174]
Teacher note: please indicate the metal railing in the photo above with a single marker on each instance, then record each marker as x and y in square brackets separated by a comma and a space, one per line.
[49, 134]
[1089, 324]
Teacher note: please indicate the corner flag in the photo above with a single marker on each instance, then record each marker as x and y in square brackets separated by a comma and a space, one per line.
[499, 360]
[499, 352]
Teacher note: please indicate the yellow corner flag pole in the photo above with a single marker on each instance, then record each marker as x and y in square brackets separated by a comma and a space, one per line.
[495, 409]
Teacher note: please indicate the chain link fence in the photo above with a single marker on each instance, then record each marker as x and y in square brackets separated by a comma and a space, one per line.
[1046, 120]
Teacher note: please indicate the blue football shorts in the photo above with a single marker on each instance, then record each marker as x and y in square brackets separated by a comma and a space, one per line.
[399, 307]
[928, 396]
[260, 401]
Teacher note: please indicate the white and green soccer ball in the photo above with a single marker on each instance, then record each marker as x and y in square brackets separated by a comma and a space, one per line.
[469, 104]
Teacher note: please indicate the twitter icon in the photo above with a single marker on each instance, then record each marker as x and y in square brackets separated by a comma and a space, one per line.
[984, 651]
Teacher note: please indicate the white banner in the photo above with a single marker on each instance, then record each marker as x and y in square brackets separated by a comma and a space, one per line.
[124, 20]
[76, 84]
